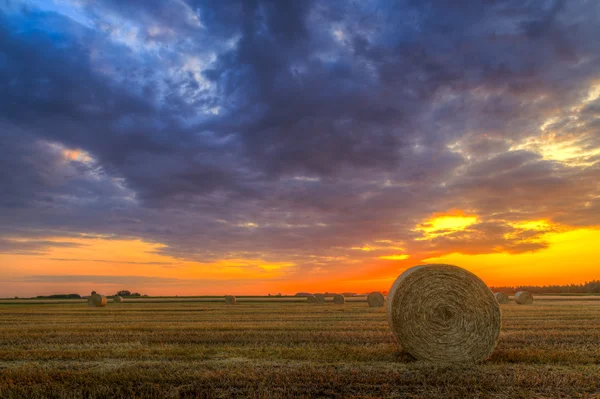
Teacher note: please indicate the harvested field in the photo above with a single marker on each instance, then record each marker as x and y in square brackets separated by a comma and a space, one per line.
[281, 349]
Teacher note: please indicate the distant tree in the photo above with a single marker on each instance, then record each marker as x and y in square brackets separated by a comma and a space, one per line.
[136, 294]
[591, 287]
[124, 293]
[60, 296]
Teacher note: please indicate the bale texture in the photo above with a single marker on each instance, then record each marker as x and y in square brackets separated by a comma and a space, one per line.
[97, 301]
[375, 300]
[117, 299]
[501, 297]
[443, 314]
[319, 299]
[339, 299]
[523, 298]
[230, 300]
[311, 299]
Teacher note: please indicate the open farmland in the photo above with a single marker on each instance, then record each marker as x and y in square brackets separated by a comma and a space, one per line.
[153, 348]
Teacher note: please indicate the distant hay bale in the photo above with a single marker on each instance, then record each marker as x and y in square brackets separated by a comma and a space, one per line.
[375, 300]
[97, 300]
[311, 299]
[501, 298]
[230, 300]
[443, 314]
[339, 299]
[523, 298]
[319, 299]
[117, 299]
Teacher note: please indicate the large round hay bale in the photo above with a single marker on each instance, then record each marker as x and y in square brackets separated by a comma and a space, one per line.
[319, 299]
[230, 300]
[97, 300]
[443, 314]
[375, 300]
[523, 298]
[501, 298]
[117, 299]
[339, 299]
[311, 299]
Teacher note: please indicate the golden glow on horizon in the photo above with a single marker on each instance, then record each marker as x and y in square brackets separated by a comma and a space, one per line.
[120, 257]
[445, 223]
[395, 257]
[571, 257]
[541, 226]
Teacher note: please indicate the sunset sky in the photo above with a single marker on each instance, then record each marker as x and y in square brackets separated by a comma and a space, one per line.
[250, 147]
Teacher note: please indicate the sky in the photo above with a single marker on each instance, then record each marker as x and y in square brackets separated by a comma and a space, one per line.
[191, 147]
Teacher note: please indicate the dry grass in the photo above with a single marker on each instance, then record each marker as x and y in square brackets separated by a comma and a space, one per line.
[204, 349]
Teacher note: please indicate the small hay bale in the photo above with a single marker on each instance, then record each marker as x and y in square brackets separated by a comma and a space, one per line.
[501, 298]
[230, 300]
[443, 314]
[97, 300]
[375, 300]
[311, 299]
[117, 299]
[319, 299]
[339, 299]
[523, 298]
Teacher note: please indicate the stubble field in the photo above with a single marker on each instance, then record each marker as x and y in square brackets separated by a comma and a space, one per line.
[281, 349]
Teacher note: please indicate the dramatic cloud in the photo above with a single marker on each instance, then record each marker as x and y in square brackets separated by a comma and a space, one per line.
[328, 135]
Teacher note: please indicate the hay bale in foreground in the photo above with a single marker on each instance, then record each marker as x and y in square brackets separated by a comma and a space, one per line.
[97, 300]
[443, 314]
[319, 299]
[311, 299]
[375, 300]
[523, 298]
[117, 299]
[339, 299]
[501, 298]
[230, 300]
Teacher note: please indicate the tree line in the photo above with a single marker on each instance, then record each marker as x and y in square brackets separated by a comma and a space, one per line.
[591, 287]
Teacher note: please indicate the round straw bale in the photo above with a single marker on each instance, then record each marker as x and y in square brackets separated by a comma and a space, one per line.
[117, 299]
[443, 314]
[339, 299]
[501, 297]
[97, 301]
[523, 298]
[375, 300]
[230, 300]
[311, 299]
[319, 299]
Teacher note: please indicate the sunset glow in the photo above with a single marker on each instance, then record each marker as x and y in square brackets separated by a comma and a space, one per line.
[242, 147]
